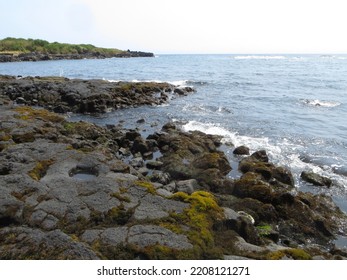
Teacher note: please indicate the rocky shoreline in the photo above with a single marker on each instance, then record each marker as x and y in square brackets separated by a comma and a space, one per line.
[64, 95]
[74, 190]
[10, 57]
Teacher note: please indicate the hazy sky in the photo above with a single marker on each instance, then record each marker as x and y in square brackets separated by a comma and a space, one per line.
[183, 26]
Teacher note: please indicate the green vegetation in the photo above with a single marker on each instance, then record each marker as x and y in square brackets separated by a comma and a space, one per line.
[147, 185]
[264, 230]
[296, 254]
[17, 46]
[40, 169]
[28, 113]
[199, 217]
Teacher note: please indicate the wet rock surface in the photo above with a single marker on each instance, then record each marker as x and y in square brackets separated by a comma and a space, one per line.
[79, 191]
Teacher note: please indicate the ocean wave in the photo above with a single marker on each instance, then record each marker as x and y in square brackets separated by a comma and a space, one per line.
[254, 143]
[111, 80]
[208, 109]
[333, 57]
[243, 84]
[283, 152]
[266, 57]
[196, 83]
[320, 103]
[178, 83]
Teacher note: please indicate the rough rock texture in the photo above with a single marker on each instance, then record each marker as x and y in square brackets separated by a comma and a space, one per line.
[86, 96]
[193, 156]
[77, 191]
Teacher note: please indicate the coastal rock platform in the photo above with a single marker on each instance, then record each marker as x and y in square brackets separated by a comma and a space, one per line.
[75, 190]
[63, 95]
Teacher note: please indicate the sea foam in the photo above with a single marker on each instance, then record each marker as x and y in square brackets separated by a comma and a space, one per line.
[320, 103]
[266, 57]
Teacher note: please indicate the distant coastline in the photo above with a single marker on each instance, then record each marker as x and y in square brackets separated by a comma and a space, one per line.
[15, 50]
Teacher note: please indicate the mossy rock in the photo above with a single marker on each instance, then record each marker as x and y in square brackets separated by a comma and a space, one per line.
[29, 113]
[216, 160]
[263, 168]
[5, 137]
[40, 169]
[118, 215]
[147, 185]
[27, 137]
[161, 252]
[296, 254]
[261, 212]
[200, 218]
[251, 186]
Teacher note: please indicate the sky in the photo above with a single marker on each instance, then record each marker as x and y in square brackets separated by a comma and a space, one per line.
[183, 26]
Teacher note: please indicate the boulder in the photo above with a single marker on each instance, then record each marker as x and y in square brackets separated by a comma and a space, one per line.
[276, 175]
[241, 150]
[192, 156]
[316, 179]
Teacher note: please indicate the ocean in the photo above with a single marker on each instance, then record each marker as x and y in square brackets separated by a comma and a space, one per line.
[293, 106]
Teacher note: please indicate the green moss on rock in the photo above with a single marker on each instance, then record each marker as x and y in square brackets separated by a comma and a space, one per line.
[296, 254]
[147, 185]
[199, 218]
[40, 169]
[29, 113]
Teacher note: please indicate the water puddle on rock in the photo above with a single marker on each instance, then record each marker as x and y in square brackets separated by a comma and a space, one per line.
[83, 176]
[84, 173]
[341, 241]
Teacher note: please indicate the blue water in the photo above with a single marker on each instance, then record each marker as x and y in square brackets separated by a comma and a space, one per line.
[294, 106]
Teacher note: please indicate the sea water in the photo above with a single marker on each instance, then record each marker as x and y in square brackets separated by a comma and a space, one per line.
[293, 106]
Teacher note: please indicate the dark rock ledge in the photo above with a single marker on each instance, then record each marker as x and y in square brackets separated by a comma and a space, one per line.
[34, 56]
[77, 191]
[63, 95]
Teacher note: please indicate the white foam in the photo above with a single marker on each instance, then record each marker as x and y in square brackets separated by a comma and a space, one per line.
[180, 83]
[321, 103]
[111, 81]
[266, 57]
[284, 152]
[254, 143]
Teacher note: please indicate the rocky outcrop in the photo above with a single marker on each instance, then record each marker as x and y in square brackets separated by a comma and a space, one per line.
[86, 96]
[9, 57]
[80, 191]
[193, 156]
